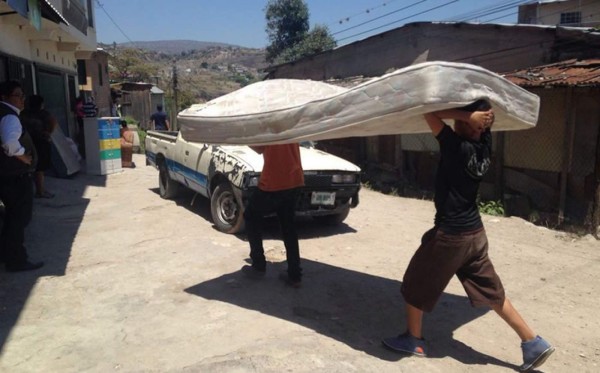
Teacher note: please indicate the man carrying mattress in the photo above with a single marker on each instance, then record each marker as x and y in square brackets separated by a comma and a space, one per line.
[278, 190]
[457, 244]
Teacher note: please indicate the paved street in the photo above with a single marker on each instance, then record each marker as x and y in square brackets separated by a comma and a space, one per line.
[135, 283]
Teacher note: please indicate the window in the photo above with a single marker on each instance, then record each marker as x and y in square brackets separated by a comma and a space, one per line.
[81, 72]
[570, 18]
[90, 15]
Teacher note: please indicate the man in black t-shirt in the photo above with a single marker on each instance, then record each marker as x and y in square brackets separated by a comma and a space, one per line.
[457, 244]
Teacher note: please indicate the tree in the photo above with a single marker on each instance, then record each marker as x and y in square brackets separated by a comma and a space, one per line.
[288, 32]
[316, 41]
[129, 65]
[287, 24]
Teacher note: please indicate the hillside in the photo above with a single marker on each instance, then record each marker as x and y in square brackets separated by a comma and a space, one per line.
[205, 70]
[173, 46]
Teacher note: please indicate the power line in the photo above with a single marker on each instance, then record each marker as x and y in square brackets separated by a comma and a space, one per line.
[466, 16]
[485, 11]
[400, 20]
[112, 20]
[382, 16]
[367, 11]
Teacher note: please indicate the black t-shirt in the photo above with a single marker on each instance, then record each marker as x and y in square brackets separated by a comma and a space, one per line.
[462, 166]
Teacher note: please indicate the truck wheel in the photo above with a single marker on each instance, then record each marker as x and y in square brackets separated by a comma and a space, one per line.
[334, 219]
[168, 188]
[227, 213]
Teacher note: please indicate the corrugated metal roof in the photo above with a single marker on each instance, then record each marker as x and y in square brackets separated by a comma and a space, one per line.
[566, 73]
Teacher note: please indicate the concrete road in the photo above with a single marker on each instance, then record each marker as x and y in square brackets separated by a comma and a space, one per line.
[135, 283]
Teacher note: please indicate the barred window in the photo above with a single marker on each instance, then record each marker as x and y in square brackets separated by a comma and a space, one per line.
[570, 18]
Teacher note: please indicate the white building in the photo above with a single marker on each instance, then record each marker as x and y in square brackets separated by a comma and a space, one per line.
[574, 13]
[41, 46]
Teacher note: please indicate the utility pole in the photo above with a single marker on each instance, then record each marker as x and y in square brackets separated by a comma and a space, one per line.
[174, 114]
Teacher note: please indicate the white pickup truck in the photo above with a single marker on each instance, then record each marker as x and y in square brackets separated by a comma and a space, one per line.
[227, 174]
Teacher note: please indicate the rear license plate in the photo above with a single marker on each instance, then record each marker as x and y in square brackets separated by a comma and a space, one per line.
[323, 198]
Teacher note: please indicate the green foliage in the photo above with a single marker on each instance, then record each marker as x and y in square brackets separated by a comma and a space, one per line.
[287, 25]
[316, 41]
[142, 136]
[131, 121]
[129, 65]
[495, 208]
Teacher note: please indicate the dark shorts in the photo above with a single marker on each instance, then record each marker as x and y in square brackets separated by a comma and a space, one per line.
[441, 256]
[44, 151]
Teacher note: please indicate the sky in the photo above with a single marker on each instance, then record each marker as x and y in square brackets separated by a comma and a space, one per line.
[242, 22]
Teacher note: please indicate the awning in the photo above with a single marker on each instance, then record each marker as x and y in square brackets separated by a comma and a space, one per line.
[49, 12]
[20, 6]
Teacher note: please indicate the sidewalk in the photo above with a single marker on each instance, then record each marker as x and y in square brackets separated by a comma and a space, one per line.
[135, 283]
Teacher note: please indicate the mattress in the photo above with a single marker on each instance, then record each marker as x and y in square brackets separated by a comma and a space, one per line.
[291, 110]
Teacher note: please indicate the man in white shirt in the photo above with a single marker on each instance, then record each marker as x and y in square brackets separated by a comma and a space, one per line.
[18, 159]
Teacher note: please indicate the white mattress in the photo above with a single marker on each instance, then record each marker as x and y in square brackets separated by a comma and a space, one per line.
[290, 110]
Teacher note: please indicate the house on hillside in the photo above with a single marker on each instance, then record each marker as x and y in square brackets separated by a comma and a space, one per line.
[578, 13]
[41, 43]
[407, 163]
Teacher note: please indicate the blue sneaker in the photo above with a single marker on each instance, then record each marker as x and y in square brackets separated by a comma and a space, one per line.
[535, 353]
[406, 343]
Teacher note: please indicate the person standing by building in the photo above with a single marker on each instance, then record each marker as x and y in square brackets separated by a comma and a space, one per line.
[278, 190]
[79, 115]
[159, 119]
[40, 124]
[457, 244]
[18, 159]
[127, 140]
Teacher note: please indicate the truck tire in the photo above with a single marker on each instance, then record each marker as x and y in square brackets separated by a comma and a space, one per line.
[334, 219]
[168, 188]
[227, 212]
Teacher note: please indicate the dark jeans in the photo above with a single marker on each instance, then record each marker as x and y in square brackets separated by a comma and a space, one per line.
[283, 203]
[80, 138]
[16, 192]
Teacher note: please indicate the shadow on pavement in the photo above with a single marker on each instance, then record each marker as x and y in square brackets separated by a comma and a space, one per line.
[355, 308]
[306, 226]
[49, 237]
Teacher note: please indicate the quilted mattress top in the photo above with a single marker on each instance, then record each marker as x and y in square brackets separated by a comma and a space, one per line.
[291, 110]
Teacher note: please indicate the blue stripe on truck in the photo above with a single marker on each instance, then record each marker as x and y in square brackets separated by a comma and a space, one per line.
[179, 169]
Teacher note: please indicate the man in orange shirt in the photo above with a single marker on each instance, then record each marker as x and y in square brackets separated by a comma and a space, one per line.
[278, 191]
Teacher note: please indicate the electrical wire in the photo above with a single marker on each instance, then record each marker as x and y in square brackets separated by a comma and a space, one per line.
[382, 16]
[400, 20]
[367, 11]
[113, 21]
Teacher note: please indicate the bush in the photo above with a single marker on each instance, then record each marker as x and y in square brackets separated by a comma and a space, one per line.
[495, 208]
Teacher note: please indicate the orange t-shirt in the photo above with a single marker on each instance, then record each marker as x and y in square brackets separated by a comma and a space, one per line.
[282, 168]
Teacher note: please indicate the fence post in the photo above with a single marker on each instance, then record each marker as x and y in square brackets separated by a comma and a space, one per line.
[567, 153]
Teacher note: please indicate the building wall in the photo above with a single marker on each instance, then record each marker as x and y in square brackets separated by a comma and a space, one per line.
[495, 47]
[45, 60]
[540, 148]
[97, 81]
[550, 13]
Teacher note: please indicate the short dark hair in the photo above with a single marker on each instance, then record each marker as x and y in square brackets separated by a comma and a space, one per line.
[123, 123]
[35, 102]
[479, 105]
[159, 107]
[8, 87]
